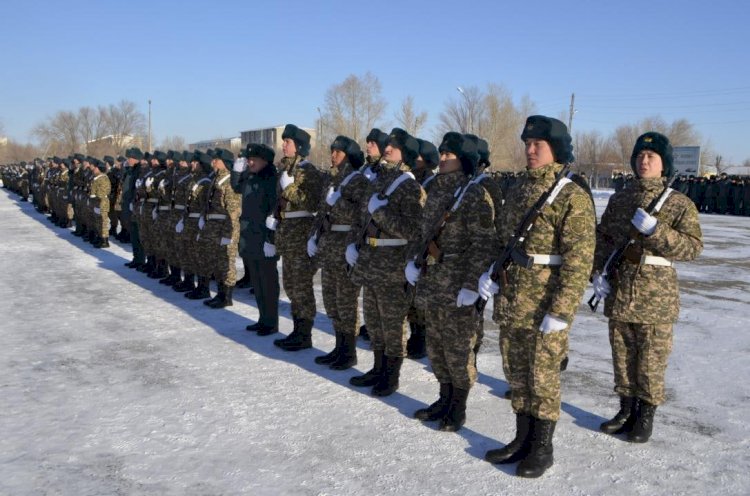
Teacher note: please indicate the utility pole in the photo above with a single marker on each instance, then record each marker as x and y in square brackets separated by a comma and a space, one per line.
[149, 125]
[571, 112]
[468, 110]
[320, 136]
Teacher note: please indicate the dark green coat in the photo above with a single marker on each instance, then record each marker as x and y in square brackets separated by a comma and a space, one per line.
[258, 202]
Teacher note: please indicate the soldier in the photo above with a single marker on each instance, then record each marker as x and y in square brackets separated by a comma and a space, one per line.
[458, 253]
[99, 193]
[156, 266]
[179, 194]
[193, 223]
[115, 195]
[378, 242]
[536, 305]
[255, 180]
[132, 200]
[298, 198]
[327, 244]
[642, 300]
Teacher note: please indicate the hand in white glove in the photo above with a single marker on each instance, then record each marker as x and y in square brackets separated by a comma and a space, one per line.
[240, 164]
[97, 211]
[130, 207]
[201, 222]
[312, 247]
[644, 222]
[486, 286]
[376, 203]
[179, 227]
[225, 241]
[552, 324]
[285, 180]
[272, 223]
[332, 196]
[412, 273]
[149, 181]
[154, 214]
[601, 286]
[138, 183]
[352, 254]
[269, 250]
[466, 297]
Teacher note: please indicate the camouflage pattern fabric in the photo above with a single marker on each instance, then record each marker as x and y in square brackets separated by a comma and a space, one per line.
[451, 336]
[100, 189]
[180, 195]
[220, 237]
[199, 188]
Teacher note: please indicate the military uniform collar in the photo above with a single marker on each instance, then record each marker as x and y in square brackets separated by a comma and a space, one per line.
[543, 172]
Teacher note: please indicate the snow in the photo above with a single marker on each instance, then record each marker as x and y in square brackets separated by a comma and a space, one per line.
[114, 384]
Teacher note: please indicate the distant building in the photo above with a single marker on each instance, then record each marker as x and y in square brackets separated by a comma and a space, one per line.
[232, 144]
[3, 141]
[110, 145]
[271, 136]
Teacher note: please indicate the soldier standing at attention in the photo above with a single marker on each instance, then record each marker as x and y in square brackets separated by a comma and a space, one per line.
[536, 305]
[642, 300]
[298, 198]
[389, 221]
[132, 203]
[327, 244]
[100, 190]
[255, 180]
[458, 253]
[193, 223]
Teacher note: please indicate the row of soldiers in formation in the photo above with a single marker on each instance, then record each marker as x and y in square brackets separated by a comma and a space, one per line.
[427, 248]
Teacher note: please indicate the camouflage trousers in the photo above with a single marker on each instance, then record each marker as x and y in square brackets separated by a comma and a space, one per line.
[451, 334]
[531, 363]
[297, 281]
[385, 308]
[101, 221]
[639, 355]
[217, 259]
[340, 297]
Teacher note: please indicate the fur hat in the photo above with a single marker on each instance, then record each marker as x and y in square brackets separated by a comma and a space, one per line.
[224, 155]
[552, 131]
[657, 143]
[380, 139]
[261, 151]
[300, 137]
[408, 145]
[428, 152]
[463, 148]
[482, 148]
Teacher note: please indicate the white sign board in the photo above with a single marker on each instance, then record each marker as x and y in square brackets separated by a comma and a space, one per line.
[687, 159]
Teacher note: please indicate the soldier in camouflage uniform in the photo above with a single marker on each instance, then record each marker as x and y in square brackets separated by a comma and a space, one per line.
[156, 266]
[327, 245]
[427, 160]
[299, 191]
[115, 194]
[536, 306]
[99, 196]
[379, 241]
[642, 299]
[163, 225]
[132, 199]
[193, 223]
[458, 253]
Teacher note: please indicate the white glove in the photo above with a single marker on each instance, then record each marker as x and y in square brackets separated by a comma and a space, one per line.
[312, 247]
[285, 180]
[179, 227]
[272, 223]
[240, 164]
[332, 196]
[352, 254]
[225, 241]
[149, 181]
[644, 222]
[486, 286]
[269, 250]
[601, 286]
[201, 222]
[138, 183]
[130, 207]
[97, 211]
[154, 214]
[466, 297]
[412, 273]
[552, 324]
[162, 185]
[376, 203]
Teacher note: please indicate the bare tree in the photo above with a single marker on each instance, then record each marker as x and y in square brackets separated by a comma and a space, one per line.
[352, 108]
[410, 120]
[623, 139]
[60, 133]
[176, 143]
[125, 123]
[463, 113]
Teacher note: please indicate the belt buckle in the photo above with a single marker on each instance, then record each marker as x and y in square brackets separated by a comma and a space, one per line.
[283, 215]
[430, 260]
[372, 242]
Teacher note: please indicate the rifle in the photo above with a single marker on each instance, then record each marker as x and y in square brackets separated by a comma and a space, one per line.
[615, 258]
[513, 254]
[322, 221]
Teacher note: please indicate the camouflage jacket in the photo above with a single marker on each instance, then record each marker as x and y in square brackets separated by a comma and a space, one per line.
[100, 189]
[223, 201]
[467, 241]
[351, 185]
[492, 186]
[647, 293]
[303, 194]
[401, 218]
[565, 228]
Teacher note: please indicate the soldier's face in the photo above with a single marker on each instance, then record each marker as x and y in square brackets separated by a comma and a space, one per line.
[449, 162]
[288, 148]
[337, 158]
[256, 164]
[538, 153]
[648, 164]
[372, 149]
[393, 154]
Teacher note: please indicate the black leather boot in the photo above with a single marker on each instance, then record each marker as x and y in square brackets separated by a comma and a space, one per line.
[102, 243]
[540, 454]
[363, 333]
[347, 354]
[187, 284]
[644, 422]
[415, 346]
[370, 378]
[437, 410]
[388, 381]
[617, 424]
[456, 415]
[517, 449]
[292, 335]
[223, 298]
[303, 339]
[201, 291]
[331, 357]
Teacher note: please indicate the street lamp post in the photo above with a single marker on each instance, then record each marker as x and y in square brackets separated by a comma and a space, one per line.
[149, 125]
[468, 110]
[320, 135]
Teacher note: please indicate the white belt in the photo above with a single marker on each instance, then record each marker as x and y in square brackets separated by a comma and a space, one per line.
[153, 200]
[65, 197]
[179, 207]
[296, 214]
[375, 242]
[165, 207]
[546, 259]
[92, 196]
[651, 260]
[216, 216]
[194, 215]
[341, 227]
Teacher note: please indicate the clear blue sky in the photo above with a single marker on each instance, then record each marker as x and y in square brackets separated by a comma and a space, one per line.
[215, 68]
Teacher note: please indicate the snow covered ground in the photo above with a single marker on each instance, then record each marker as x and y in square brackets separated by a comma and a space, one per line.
[114, 384]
